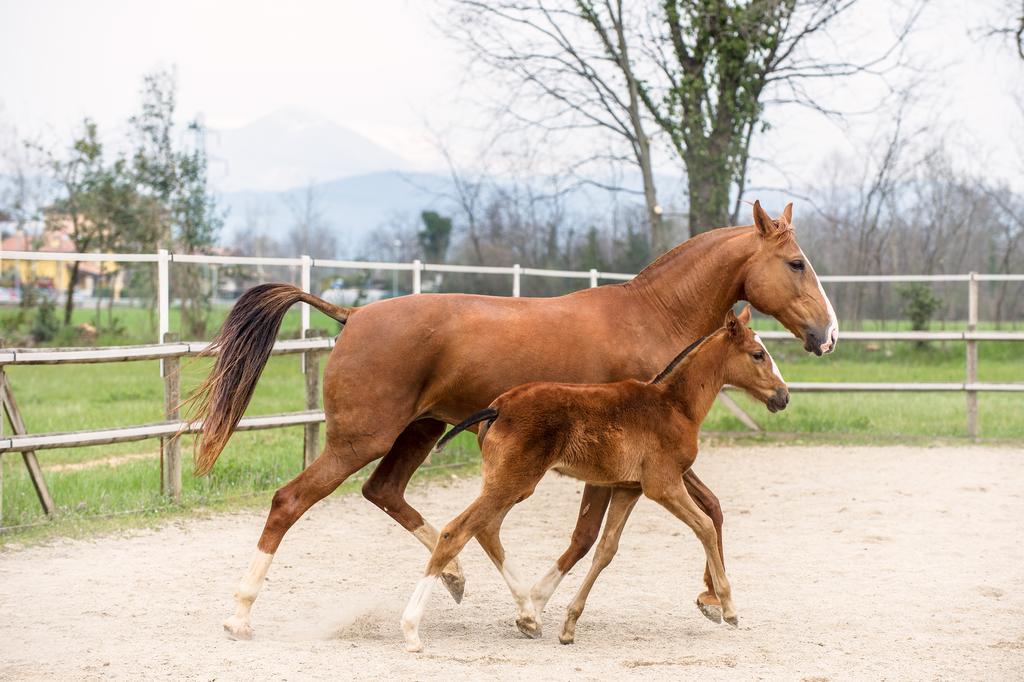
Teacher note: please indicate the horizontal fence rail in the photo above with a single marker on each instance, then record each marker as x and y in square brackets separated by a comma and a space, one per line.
[168, 350]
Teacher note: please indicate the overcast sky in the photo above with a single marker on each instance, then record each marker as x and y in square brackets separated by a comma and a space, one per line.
[382, 69]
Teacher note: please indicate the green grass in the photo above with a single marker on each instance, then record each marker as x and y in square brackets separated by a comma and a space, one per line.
[73, 397]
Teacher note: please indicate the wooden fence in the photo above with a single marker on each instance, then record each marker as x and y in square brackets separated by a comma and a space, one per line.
[170, 350]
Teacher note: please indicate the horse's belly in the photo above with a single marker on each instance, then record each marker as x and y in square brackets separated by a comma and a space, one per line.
[601, 473]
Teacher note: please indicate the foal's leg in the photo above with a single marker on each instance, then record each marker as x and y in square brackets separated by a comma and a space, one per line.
[588, 526]
[386, 489]
[675, 498]
[453, 538]
[707, 601]
[490, 539]
[317, 481]
[622, 502]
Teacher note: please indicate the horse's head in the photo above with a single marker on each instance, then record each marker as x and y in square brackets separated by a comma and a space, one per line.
[781, 282]
[749, 366]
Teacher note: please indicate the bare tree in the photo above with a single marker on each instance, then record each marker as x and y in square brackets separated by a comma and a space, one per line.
[310, 234]
[698, 73]
[1012, 26]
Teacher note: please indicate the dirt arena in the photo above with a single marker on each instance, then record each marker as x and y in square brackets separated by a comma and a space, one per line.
[846, 563]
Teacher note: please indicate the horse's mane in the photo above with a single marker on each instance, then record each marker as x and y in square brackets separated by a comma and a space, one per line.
[676, 360]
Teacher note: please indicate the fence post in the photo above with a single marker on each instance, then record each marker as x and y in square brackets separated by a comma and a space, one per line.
[516, 272]
[311, 436]
[417, 272]
[304, 284]
[593, 277]
[170, 446]
[972, 355]
[163, 297]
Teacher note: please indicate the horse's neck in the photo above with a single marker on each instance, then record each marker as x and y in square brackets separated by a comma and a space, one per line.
[696, 381]
[691, 287]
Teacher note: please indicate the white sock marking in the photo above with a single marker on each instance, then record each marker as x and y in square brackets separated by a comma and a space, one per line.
[545, 587]
[413, 613]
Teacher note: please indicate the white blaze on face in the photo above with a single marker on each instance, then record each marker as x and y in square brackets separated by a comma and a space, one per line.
[775, 368]
[832, 331]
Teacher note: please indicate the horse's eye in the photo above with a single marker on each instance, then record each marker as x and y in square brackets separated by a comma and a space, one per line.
[796, 265]
[758, 355]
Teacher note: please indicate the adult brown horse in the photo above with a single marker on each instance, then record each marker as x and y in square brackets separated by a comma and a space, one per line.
[405, 367]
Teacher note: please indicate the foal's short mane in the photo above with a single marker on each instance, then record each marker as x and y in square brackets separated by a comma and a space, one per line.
[676, 360]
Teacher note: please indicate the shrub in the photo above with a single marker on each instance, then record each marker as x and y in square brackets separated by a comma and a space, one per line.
[919, 304]
[46, 325]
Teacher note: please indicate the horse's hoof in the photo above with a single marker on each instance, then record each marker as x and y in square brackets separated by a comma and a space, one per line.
[237, 628]
[529, 626]
[712, 612]
[566, 638]
[455, 584]
[732, 620]
[414, 647]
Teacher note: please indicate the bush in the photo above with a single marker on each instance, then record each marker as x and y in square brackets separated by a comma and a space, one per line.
[919, 304]
[46, 325]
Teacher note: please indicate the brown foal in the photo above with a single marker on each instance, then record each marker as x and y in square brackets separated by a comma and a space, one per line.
[630, 436]
[405, 367]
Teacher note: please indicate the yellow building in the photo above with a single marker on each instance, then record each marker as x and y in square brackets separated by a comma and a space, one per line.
[54, 274]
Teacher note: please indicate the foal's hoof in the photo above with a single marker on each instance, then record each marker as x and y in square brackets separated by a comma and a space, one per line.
[529, 626]
[732, 620]
[237, 628]
[712, 612]
[455, 584]
[567, 638]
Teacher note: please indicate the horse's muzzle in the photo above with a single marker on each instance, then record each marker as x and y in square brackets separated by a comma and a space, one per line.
[778, 401]
[820, 341]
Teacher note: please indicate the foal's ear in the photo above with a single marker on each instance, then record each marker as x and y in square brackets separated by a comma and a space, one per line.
[744, 315]
[787, 213]
[732, 324]
[765, 225]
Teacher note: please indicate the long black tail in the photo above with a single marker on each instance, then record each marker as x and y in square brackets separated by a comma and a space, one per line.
[488, 414]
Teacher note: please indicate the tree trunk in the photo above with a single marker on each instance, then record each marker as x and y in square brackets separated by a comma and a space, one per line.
[69, 302]
[708, 181]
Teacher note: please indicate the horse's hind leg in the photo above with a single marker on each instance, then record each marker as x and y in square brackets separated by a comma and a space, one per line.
[317, 481]
[386, 489]
[622, 502]
[452, 539]
[707, 601]
[588, 526]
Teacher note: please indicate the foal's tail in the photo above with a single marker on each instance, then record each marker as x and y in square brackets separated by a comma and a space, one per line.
[488, 414]
[243, 347]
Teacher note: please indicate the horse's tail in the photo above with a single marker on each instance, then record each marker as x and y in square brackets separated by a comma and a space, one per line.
[243, 347]
[488, 414]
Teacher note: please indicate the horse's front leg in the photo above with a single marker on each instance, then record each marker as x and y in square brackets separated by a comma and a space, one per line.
[386, 489]
[707, 601]
[675, 498]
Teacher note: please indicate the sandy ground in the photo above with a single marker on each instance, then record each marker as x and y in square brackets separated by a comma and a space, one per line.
[846, 563]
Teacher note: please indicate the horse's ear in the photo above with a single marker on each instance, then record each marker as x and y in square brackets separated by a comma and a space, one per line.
[764, 223]
[787, 213]
[732, 324]
[744, 315]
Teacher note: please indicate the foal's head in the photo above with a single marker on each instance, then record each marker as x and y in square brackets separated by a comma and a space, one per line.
[749, 366]
[781, 282]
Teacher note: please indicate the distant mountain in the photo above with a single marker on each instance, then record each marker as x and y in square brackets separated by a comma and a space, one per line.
[353, 206]
[290, 148]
